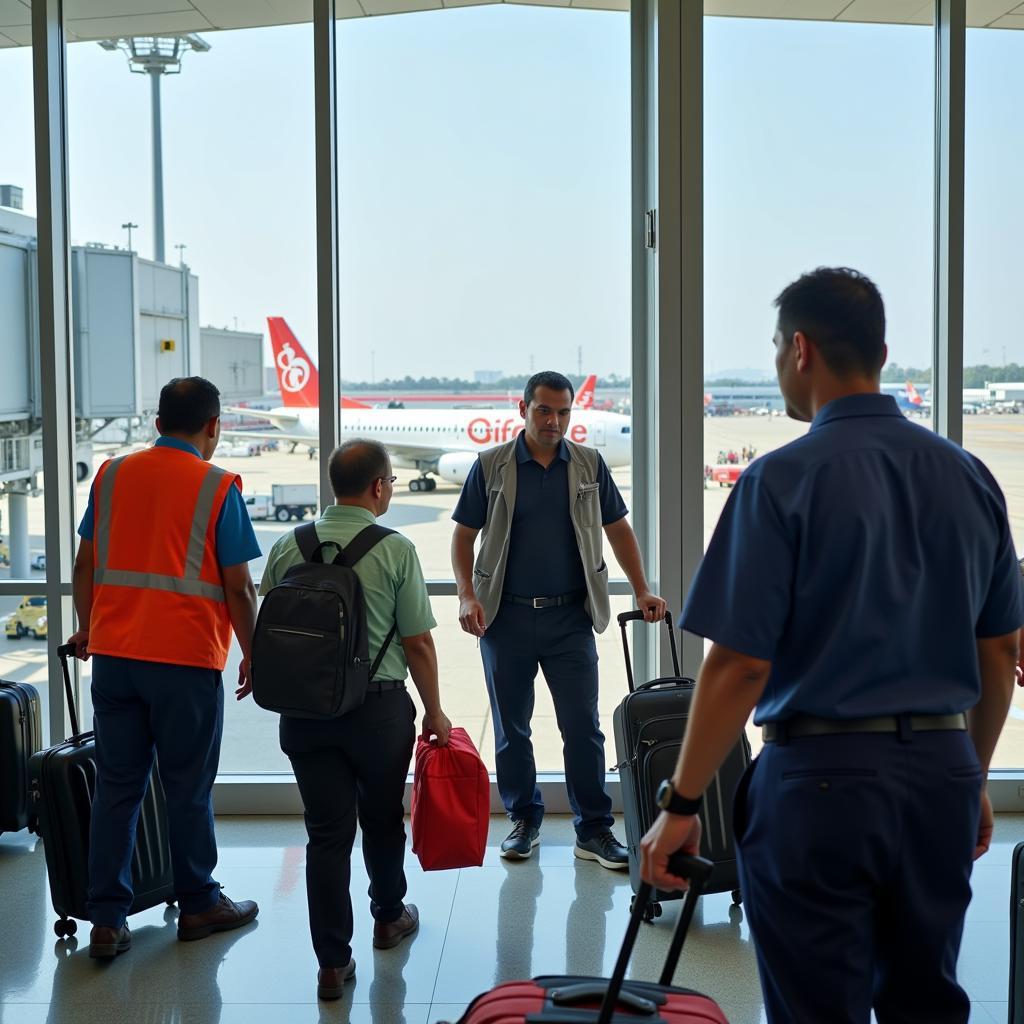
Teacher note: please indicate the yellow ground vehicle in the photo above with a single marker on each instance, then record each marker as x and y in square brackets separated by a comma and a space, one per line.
[5, 554]
[29, 619]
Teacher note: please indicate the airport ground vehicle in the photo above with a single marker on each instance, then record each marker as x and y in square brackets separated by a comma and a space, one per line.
[287, 501]
[28, 619]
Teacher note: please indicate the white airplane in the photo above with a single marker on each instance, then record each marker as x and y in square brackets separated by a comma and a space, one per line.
[444, 442]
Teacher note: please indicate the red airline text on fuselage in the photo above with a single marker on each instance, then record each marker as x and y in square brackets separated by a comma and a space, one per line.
[484, 431]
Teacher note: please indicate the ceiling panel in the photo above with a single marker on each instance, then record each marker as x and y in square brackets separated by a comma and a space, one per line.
[21, 34]
[983, 12]
[146, 24]
[123, 8]
[600, 5]
[540, 3]
[14, 12]
[1010, 21]
[891, 11]
[373, 7]
[469, 3]
[229, 14]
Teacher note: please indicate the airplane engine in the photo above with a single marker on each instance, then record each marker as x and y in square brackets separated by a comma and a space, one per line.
[455, 466]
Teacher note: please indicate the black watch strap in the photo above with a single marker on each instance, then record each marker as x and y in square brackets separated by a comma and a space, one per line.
[676, 803]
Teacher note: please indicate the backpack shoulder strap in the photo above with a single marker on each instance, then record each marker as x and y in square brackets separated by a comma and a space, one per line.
[363, 541]
[307, 540]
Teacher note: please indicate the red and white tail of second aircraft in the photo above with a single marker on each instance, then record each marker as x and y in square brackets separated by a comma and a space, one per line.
[441, 441]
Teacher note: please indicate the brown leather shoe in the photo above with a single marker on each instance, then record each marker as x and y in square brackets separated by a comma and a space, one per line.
[330, 981]
[388, 934]
[224, 915]
[105, 943]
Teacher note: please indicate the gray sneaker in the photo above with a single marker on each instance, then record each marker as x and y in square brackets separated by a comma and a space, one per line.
[520, 842]
[605, 849]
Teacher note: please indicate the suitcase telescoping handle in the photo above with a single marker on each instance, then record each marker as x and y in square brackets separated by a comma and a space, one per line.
[638, 616]
[697, 870]
[65, 651]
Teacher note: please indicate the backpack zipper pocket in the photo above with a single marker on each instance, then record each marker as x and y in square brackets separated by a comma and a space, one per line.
[297, 632]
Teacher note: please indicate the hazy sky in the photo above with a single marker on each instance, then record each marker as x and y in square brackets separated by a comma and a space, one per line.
[484, 161]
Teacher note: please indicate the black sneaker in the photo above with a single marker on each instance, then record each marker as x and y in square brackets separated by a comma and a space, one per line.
[520, 841]
[605, 849]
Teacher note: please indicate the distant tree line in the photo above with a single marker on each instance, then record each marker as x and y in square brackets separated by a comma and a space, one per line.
[974, 376]
[513, 383]
[893, 373]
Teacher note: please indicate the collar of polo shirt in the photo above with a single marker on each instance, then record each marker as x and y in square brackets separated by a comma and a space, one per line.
[856, 405]
[523, 453]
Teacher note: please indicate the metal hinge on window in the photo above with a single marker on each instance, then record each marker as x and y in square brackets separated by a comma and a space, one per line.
[651, 232]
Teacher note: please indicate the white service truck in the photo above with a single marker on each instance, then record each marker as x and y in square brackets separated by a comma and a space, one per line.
[287, 501]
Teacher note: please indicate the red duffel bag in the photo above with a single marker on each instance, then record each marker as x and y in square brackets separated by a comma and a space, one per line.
[451, 804]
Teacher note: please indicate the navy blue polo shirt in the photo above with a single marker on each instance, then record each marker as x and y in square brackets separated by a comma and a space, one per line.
[235, 538]
[862, 560]
[543, 556]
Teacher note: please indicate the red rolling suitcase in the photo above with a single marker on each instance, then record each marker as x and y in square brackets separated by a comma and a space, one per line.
[62, 780]
[577, 1000]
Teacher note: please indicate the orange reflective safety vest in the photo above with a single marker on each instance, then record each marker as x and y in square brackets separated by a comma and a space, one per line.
[158, 592]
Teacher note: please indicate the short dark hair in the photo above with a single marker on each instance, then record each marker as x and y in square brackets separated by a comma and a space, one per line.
[842, 312]
[548, 379]
[187, 404]
[355, 464]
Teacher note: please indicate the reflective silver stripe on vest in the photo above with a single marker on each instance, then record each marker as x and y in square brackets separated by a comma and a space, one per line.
[201, 521]
[101, 513]
[190, 583]
[155, 581]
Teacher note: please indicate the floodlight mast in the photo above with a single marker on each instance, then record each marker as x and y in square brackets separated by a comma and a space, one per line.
[156, 56]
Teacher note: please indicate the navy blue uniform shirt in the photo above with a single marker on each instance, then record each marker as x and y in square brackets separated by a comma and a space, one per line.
[235, 538]
[543, 556]
[862, 560]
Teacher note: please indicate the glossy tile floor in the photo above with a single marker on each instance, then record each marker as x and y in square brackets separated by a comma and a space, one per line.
[552, 914]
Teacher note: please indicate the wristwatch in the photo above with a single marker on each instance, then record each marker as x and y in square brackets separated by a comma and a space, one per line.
[669, 800]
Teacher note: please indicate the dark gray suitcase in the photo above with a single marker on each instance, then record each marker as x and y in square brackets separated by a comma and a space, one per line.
[1016, 997]
[20, 738]
[62, 781]
[649, 726]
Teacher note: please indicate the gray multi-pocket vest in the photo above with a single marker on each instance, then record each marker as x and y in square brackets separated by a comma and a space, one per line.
[499, 468]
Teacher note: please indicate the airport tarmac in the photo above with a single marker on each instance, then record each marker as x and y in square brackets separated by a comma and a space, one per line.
[250, 738]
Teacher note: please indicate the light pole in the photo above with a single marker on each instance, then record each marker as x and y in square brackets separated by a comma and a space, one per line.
[156, 56]
[181, 247]
[129, 226]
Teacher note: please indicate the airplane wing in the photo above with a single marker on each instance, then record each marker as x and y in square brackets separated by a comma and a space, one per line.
[283, 420]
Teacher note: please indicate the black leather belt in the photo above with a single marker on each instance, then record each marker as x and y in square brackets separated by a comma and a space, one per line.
[547, 602]
[386, 684]
[808, 725]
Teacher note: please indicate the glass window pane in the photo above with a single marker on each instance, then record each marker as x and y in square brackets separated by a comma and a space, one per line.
[795, 178]
[484, 160]
[22, 527]
[238, 248]
[993, 400]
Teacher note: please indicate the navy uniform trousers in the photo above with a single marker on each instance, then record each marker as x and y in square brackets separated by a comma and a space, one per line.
[178, 710]
[350, 768]
[855, 859]
[561, 642]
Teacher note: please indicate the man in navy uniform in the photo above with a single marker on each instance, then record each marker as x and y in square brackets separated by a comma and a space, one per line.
[860, 590]
[536, 594]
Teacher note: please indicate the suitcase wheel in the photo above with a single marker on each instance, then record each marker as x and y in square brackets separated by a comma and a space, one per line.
[65, 927]
[651, 911]
[737, 897]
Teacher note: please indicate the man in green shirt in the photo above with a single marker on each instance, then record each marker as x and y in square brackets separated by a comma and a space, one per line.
[355, 766]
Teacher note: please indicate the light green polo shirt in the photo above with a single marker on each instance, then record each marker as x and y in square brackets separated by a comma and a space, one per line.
[393, 585]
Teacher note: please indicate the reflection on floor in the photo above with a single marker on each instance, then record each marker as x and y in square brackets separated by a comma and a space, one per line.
[552, 914]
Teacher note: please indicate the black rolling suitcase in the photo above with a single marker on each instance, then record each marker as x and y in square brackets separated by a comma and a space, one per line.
[20, 738]
[62, 781]
[1016, 997]
[649, 726]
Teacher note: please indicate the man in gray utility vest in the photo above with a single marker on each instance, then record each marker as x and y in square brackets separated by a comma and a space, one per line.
[538, 591]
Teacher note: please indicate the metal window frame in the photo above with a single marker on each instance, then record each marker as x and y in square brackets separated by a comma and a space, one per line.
[49, 71]
[666, 42]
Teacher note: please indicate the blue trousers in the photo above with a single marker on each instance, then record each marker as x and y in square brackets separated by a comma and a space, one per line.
[561, 642]
[855, 863]
[178, 711]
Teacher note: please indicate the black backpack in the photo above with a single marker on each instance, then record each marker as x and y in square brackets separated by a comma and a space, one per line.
[310, 653]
